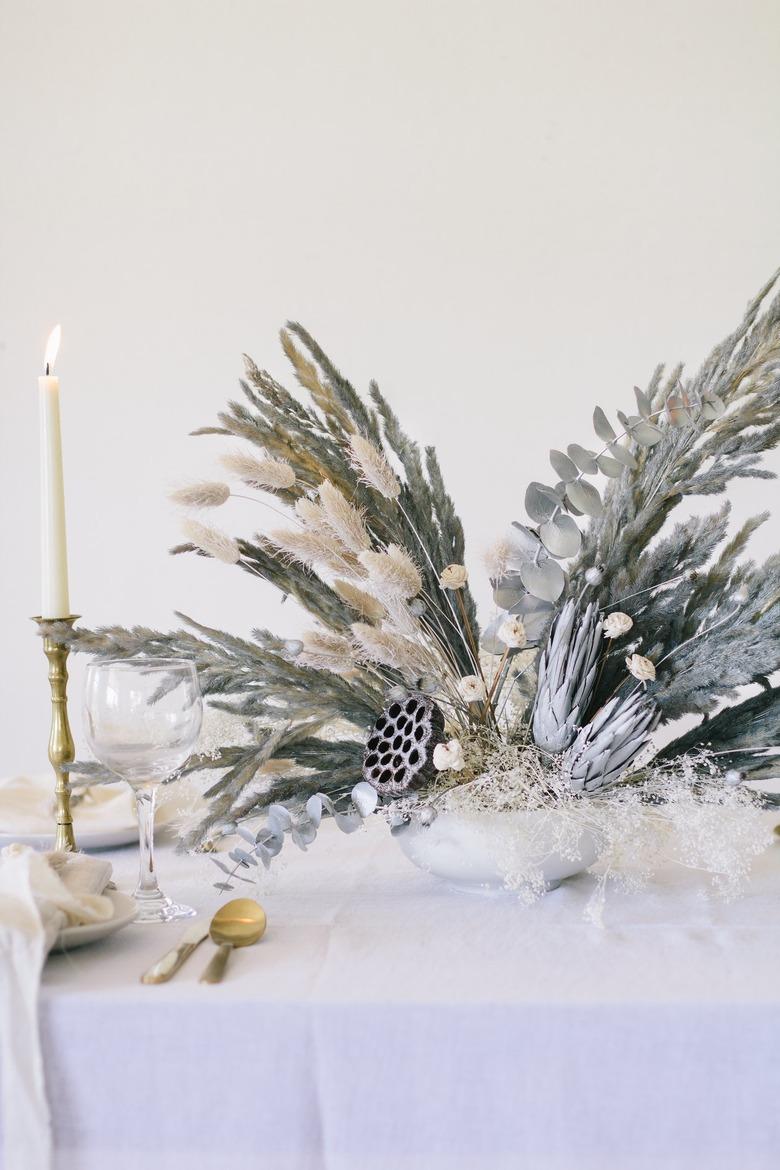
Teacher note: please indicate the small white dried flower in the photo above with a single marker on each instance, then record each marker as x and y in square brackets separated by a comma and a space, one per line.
[201, 495]
[454, 577]
[512, 633]
[733, 777]
[471, 688]
[615, 624]
[293, 647]
[448, 757]
[393, 574]
[209, 540]
[373, 467]
[641, 667]
[594, 575]
[265, 472]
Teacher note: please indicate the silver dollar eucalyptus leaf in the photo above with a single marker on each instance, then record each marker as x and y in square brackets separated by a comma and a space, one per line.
[602, 426]
[622, 455]
[561, 536]
[508, 590]
[541, 502]
[567, 674]
[585, 460]
[545, 580]
[365, 798]
[647, 433]
[523, 545]
[563, 466]
[585, 497]
[314, 809]
[643, 403]
[609, 466]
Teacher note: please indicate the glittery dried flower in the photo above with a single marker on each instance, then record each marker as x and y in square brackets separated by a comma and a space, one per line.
[641, 668]
[615, 624]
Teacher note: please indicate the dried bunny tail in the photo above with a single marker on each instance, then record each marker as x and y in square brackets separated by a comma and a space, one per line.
[310, 513]
[201, 495]
[326, 651]
[373, 467]
[345, 520]
[210, 540]
[261, 473]
[496, 559]
[363, 603]
[393, 574]
[312, 549]
[389, 649]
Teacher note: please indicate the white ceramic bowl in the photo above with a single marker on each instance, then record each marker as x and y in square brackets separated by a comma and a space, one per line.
[477, 851]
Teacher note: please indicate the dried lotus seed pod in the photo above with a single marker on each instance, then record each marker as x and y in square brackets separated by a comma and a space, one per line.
[399, 752]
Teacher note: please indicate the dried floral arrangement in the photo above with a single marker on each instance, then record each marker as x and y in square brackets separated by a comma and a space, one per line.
[610, 619]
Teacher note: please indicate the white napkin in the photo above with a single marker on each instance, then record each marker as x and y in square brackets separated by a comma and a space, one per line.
[39, 895]
[27, 807]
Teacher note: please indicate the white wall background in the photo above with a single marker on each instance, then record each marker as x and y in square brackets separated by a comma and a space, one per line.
[505, 210]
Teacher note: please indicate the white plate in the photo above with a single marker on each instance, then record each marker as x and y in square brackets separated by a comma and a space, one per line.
[85, 838]
[79, 936]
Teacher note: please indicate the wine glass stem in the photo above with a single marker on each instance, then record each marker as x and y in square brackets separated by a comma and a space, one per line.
[145, 799]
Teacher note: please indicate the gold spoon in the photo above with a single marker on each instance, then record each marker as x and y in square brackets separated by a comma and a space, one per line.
[236, 924]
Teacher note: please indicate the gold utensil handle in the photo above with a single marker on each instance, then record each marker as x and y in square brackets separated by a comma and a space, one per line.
[216, 968]
[166, 967]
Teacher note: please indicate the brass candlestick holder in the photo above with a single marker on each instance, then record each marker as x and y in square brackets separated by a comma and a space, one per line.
[62, 750]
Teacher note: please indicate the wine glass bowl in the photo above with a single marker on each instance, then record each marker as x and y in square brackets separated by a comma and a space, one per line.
[142, 718]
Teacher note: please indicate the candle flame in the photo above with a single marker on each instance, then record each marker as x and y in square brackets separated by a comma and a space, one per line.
[52, 346]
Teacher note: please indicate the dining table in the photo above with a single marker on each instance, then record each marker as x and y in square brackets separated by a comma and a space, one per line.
[388, 1022]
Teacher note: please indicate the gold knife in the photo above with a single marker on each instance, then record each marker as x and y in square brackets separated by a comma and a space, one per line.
[168, 965]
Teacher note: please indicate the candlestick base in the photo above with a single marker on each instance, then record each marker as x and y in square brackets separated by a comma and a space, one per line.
[62, 750]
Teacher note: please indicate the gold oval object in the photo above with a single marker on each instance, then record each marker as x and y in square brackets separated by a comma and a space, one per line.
[238, 923]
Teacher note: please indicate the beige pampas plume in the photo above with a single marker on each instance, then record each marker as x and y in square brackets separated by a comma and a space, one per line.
[389, 649]
[345, 520]
[210, 540]
[263, 472]
[312, 549]
[363, 603]
[373, 467]
[310, 513]
[392, 574]
[496, 558]
[323, 650]
[201, 495]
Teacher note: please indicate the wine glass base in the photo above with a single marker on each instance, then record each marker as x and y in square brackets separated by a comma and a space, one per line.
[161, 909]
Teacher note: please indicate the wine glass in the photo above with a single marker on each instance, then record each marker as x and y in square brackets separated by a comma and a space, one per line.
[142, 717]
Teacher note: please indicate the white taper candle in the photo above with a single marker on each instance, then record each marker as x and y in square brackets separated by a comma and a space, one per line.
[54, 552]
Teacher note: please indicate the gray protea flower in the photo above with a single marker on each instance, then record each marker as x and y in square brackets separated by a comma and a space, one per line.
[567, 673]
[604, 748]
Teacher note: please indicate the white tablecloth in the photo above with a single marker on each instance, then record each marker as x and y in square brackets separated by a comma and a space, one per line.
[386, 1022]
